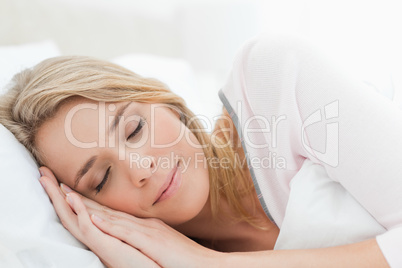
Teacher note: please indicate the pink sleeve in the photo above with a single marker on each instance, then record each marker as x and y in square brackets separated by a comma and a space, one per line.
[349, 128]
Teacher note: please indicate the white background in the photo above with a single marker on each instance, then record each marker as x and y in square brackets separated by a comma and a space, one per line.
[364, 35]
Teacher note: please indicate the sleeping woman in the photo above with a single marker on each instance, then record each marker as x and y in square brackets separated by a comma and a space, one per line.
[135, 176]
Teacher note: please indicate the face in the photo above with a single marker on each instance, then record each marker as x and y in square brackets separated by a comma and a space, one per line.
[145, 162]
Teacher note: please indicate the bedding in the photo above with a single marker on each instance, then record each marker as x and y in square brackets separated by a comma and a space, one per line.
[31, 234]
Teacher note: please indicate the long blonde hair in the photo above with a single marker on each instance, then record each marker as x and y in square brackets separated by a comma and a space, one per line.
[36, 94]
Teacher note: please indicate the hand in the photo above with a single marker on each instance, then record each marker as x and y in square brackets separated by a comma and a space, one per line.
[154, 238]
[165, 245]
[112, 251]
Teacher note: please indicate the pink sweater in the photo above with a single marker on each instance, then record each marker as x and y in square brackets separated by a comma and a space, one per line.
[289, 103]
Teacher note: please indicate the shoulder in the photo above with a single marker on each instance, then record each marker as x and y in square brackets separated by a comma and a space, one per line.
[266, 70]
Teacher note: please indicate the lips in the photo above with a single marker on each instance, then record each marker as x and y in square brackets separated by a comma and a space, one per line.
[168, 182]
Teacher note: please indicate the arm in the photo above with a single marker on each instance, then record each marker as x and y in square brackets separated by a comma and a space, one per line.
[170, 248]
[363, 254]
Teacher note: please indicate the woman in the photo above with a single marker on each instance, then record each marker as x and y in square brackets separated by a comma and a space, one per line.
[146, 177]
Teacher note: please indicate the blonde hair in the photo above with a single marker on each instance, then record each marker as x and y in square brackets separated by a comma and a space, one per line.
[36, 94]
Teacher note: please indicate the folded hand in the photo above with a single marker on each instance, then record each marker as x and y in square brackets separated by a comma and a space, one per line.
[111, 251]
[149, 241]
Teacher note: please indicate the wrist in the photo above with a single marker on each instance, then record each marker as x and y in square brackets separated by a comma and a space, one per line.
[227, 259]
[245, 259]
[215, 258]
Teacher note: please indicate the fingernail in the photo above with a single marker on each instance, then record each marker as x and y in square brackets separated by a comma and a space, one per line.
[96, 218]
[69, 199]
[42, 183]
[65, 188]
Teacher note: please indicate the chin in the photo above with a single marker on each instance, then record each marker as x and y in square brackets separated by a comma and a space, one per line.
[187, 211]
[191, 199]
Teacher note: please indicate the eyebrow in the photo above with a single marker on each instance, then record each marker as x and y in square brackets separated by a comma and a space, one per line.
[91, 161]
[84, 169]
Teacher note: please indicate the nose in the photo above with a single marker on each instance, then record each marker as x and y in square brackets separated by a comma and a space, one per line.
[143, 171]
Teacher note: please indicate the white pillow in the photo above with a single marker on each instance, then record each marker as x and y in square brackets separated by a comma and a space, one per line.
[31, 234]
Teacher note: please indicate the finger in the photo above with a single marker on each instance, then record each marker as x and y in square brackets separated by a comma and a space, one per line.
[82, 228]
[97, 241]
[88, 202]
[142, 239]
[113, 215]
[126, 230]
[63, 210]
[44, 171]
[84, 222]
[94, 207]
[118, 230]
[88, 231]
[65, 190]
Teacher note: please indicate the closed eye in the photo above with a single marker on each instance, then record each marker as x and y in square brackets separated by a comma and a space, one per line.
[138, 129]
[105, 178]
